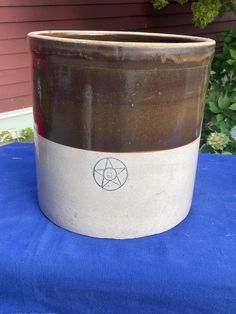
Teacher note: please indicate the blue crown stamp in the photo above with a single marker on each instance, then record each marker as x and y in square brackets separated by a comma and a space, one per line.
[110, 173]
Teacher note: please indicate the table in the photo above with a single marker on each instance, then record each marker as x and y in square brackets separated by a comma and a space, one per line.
[45, 269]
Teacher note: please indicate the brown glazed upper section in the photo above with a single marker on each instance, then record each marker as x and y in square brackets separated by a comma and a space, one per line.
[119, 91]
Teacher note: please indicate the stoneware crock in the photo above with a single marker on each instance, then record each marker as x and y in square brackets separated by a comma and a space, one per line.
[117, 118]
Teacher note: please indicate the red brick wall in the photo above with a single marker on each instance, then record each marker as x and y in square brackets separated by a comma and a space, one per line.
[18, 17]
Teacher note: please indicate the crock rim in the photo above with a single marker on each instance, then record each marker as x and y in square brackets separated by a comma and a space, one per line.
[195, 41]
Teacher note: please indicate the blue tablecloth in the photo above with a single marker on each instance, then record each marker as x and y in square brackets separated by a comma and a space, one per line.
[45, 269]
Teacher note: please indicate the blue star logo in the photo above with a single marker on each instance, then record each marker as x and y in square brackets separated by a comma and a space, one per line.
[110, 173]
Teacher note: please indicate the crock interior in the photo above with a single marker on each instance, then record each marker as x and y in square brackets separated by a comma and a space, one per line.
[139, 38]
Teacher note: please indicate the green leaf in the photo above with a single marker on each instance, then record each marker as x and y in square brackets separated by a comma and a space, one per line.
[219, 117]
[159, 4]
[213, 107]
[214, 127]
[233, 53]
[234, 97]
[227, 153]
[206, 149]
[231, 62]
[233, 107]
[223, 102]
[224, 127]
[213, 120]
[230, 114]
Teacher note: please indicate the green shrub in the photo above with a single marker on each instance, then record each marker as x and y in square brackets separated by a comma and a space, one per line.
[220, 112]
[204, 11]
[6, 137]
[25, 135]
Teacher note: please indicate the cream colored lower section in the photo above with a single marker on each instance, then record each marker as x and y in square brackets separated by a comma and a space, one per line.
[150, 195]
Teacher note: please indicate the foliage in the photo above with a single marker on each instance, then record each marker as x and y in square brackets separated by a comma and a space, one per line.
[218, 141]
[220, 112]
[25, 135]
[160, 4]
[204, 11]
[6, 137]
